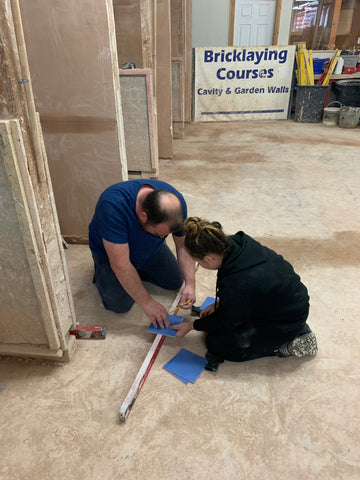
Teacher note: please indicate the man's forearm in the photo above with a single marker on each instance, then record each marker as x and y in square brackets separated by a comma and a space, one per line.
[186, 263]
[187, 267]
[131, 282]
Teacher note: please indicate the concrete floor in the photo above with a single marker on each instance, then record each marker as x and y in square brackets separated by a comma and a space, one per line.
[296, 188]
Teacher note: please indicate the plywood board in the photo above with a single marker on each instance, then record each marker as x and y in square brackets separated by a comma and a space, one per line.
[177, 28]
[177, 97]
[163, 76]
[139, 122]
[177, 65]
[20, 310]
[188, 61]
[27, 296]
[127, 15]
[34, 221]
[147, 28]
[74, 69]
[181, 35]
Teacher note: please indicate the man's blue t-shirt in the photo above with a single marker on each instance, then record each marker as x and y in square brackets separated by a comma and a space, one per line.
[115, 220]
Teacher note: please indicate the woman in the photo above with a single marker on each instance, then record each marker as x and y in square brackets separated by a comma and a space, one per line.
[261, 305]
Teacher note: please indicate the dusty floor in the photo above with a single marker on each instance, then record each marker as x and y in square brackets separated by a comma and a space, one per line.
[294, 187]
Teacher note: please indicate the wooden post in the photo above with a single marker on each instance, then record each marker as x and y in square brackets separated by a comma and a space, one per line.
[334, 24]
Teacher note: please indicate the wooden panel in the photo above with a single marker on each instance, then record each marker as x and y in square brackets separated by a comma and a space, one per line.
[20, 310]
[163, 77]
[139, 122]
[73, 63]
[231, 23]
[277, 22]
[25, 164]
[29, 306]
[188, 61]
[147, 33]
[177, 28]
[127, 15]
[181, 47]
[334, 23]
[179, 56]
[177, 97]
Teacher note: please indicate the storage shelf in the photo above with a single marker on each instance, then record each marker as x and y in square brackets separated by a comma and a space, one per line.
[342, 76]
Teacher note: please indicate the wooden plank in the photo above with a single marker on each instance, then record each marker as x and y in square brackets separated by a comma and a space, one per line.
[277, 22]
[178, 54]
[331, 67]
[231, 23]
[340, 76]
[139, 121]
[25, 77]
[147, 33]
[177, 97]
[188, 61]
[163, 78]
[334, 23]
[177, 28]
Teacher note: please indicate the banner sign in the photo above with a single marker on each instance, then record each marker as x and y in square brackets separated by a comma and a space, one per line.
[235, 83]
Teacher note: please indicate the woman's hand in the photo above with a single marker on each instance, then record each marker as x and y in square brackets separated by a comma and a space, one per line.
[182, 328]
[207, 310]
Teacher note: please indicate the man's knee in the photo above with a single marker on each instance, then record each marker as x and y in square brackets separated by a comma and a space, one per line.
[119, 307]
[173, 284]
[115, 299]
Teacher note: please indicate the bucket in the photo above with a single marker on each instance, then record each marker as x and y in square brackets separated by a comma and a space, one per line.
[309, 102]
[331, 114]
[349, 117]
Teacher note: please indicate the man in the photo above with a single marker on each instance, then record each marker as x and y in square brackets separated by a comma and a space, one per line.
[127, 239]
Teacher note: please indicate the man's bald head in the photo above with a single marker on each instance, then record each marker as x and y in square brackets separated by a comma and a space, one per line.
[162, 206]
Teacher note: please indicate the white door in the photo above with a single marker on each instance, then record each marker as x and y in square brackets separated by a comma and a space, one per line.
[254, 22]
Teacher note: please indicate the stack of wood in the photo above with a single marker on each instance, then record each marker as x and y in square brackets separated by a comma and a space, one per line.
[305, 70]
[325, 76]
[304, 61]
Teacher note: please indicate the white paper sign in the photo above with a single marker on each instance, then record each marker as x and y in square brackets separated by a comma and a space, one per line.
[242, 83]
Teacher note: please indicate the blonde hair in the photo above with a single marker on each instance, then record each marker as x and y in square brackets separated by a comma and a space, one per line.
[203, 237]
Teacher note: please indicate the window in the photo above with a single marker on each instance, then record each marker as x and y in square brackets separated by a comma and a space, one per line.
[326, 24]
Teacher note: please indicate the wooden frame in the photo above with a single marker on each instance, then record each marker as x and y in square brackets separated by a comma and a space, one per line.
[140, 127]
[37, 309]
[178, 107]
[37, 323]
[334, 23]
[77, 94]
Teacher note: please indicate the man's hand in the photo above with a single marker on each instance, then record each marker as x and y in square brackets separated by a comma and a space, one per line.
[187, 268]
[182, 328]
[157, 313]
[188, 295]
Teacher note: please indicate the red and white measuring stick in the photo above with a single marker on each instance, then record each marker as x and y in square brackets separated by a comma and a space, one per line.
[145, 368]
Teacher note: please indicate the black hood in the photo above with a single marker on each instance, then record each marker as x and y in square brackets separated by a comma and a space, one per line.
[245, 252]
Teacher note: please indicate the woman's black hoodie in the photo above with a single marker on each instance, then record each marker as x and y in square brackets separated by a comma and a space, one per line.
[256, 286]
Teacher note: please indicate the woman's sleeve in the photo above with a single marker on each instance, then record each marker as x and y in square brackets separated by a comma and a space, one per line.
[234, 310]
